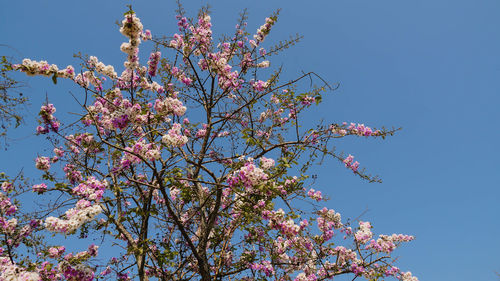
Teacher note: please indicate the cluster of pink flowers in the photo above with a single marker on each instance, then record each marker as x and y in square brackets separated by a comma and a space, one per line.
[249, 176]
[142, 149]
[131, 28]
[218, 63]
[281, 246]
[83, 212]
[58, 154]
[154, 86]
[146, 35]
[362, 130]
[262, 32]
[327, 221]
[357, 269]
[114, 112]
[55, 252]
[101, 68]
[88, 78]
[202, 132]
[72, 174]
[266, 163]
[48, 120]
[348, 161]
[7, 186]
[10, 271]
[42, 163]
[169, 106]
[43, 68]
[344, 255]
[263, 64]
[202, 35]
[177, 42]
[77, 272]
[387, 244]
[91, 189]
[6, 206]
[8, 226]
[71, 267]
[288, 228]
[83, 141]
[39, 188]
[260, 85]
[306, 277]
[364, 234]
[354, 129]
[174, 192]
[181, 76]
[91, 251]
[307, 100]
[154, 59]
[315, 195]
[265, 266]
[407, 276]
[173, 137]
[129, 78]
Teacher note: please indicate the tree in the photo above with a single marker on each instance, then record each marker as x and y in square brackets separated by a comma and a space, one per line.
[211, 197]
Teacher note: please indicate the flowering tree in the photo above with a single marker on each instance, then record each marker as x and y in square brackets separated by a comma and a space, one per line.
[208, 197]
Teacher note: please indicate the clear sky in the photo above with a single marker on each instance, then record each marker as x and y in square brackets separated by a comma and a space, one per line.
[431, 67]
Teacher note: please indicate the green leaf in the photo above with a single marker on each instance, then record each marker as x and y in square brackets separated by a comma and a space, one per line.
[54, 78]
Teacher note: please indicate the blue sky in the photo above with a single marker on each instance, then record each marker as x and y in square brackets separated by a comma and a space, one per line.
[431, 67]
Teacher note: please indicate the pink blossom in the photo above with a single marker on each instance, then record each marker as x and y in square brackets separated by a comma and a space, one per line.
[39, 188]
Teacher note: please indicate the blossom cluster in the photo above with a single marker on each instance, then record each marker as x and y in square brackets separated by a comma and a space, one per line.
[7, 186]
[260, 85]
[263, 31]
[266, 163]
[315, 194]
[78, 142]
[49, 122]
[154, 59]
[11, 272]
[6, 206]
[364, 234]
[148, 151]
[43, 68]
[83, 212]
[114, 112]
[91, 189]
[218, 63]
[169, 106]
[249, 176]
[77, 272]
[8, 226]
[72, 174]
[43, 163]
[101, 68]
[202, 34]
[348, 161]
[174, 138]
[131, 28]
[354, 129]
[55, 252]
[328, 220]
[39, 188]
[387, 243]
[181, 76]
[264, 266]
